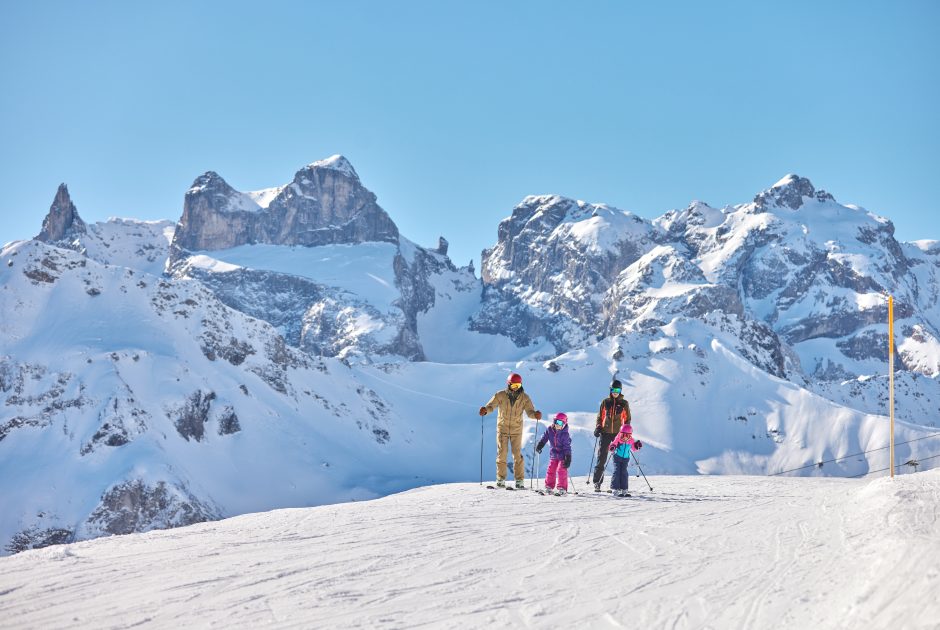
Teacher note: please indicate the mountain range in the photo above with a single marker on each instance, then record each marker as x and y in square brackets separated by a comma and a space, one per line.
[289, 347]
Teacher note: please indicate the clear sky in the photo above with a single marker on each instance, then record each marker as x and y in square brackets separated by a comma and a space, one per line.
[452, 112]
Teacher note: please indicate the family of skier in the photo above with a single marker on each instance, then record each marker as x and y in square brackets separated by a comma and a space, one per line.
[613, 432]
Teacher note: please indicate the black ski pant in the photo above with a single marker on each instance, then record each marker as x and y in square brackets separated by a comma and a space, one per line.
[602, 445]
[621, 479]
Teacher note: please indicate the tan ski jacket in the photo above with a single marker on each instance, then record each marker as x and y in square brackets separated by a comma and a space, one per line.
[510, 405]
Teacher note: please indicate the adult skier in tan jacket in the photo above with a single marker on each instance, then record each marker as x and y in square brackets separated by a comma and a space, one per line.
[510, 402]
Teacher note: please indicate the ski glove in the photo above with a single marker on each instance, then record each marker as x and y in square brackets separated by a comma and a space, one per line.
[567, 461]
[482, 411]
[597, 431]
[538, 415]
[637, 445]
[538, 449]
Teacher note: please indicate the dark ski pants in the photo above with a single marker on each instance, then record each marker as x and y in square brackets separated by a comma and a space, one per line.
[602, 445]
[621, 480]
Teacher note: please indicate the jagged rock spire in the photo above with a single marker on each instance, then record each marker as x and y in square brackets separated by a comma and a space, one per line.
[63, 220]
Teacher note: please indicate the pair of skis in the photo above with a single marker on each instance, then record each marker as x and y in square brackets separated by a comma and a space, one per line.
[618, 496]
[546, 493]
[536, 490]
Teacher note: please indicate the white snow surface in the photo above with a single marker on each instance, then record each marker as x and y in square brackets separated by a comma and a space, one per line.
[264, 197]
[365, 269]
[695, 552]
[140, 245]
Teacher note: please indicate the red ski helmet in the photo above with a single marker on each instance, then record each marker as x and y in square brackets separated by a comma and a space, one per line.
[514, 378]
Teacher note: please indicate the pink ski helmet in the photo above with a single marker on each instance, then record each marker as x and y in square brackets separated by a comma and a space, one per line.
[560, 419]
[626, 428]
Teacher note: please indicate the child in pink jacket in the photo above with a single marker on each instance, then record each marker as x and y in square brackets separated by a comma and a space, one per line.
[621, 447]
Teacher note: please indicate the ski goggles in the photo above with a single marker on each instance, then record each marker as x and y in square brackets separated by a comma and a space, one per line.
[559, 423]
[515, 385]
[614, 390]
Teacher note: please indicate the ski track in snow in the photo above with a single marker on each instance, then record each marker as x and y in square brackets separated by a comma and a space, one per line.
[700, 552]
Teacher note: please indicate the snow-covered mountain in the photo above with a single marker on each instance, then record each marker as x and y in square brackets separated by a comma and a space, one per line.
[325, 203]
[289, 347]
[804, 278]
[317, 258]
[139, 245]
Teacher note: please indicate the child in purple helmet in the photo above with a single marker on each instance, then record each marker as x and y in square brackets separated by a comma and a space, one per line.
[560, 453]
[621, 447]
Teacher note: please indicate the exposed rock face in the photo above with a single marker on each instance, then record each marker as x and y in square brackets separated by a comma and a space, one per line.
[789, 192]
[560, 256]
[322, 320]
[324, 204]
[215, 216]
[36, 538]
[35, 395]
[62, 223]
[191, 417]
[135, 506]
[228, 422]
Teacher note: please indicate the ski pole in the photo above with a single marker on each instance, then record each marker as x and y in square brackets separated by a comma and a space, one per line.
[538, 469]
[593, 454]
[604, 471]
[481, 450]
[535, 437]
[641, 472]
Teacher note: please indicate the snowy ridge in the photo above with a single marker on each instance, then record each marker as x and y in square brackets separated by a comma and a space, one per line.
[264, 197]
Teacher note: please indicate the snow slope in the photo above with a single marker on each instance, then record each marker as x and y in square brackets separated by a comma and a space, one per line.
[697, 552]
[363, 269]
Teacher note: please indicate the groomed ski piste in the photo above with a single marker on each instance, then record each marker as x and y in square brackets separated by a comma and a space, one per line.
[697, 552]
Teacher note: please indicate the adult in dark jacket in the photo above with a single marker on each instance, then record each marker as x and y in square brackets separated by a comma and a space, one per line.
[613, 414]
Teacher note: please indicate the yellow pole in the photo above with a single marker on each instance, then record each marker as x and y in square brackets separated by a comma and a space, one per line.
[891, 375]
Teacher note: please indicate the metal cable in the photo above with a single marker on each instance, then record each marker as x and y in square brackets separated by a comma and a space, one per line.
[829, 461]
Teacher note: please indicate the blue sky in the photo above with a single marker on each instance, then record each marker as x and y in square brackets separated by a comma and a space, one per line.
[453, 112]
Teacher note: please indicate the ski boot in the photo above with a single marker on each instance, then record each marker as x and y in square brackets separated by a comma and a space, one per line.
[597, 487]
[500, 483]
[560, 492]
[520, 484]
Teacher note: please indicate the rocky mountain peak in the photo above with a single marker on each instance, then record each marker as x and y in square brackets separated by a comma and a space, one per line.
[62, 221]
[336, 163]
[790, 192]
[210, 180]
[325, 203]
